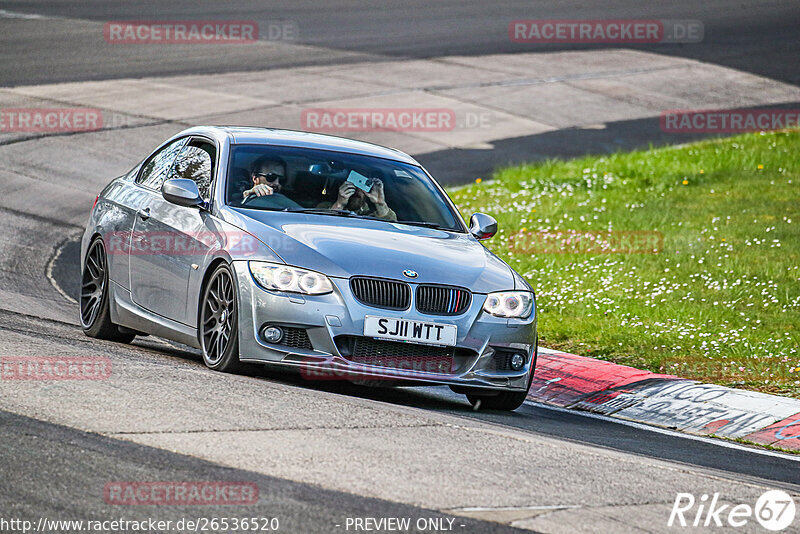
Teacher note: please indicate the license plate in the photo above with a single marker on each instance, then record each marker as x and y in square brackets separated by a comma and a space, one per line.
[407, 330]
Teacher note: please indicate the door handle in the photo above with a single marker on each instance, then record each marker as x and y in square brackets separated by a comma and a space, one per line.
[144, 214]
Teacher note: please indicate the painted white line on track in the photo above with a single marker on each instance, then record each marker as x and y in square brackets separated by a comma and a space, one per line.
[5, 14]
[514, 508]
[642, 426]
[51, 278]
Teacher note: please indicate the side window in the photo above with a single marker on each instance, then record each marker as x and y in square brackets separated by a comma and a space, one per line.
[195, 162]
[155, 171]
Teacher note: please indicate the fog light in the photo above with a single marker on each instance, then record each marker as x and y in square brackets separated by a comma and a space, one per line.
[517, 361]
[272, 334]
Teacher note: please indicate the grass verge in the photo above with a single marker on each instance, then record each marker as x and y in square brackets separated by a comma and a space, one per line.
[682, 260]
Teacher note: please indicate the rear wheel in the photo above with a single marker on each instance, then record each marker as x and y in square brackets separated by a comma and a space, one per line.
[95, 309]
[219, 322]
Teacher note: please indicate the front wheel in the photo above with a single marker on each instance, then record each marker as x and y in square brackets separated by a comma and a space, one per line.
[219, 322]
[94, 305]
[505, 401]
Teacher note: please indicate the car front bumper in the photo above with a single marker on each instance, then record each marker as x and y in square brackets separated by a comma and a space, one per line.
[331, 320]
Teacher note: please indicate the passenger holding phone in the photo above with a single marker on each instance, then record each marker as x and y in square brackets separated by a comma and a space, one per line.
[362, 197]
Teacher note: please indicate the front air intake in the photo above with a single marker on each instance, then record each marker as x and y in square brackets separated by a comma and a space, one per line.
[380, 293]
[442, 300]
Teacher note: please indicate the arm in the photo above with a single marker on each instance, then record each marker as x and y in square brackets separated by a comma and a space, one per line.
[346, 190]
[378, 199]
[260, 190]
[385, 213]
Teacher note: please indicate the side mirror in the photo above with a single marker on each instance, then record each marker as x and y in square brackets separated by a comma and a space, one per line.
[482, 226]
[182, 192]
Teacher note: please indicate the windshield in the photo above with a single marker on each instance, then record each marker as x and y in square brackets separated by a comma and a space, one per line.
[335, 184]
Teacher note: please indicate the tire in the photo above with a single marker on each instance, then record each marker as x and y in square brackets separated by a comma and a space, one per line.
[507, 400]
[219, 322]
[94, 298]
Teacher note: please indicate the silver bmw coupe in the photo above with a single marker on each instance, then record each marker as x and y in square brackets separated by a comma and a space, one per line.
[341, 259]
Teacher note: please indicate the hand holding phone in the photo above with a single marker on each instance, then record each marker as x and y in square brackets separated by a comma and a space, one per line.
[360, 181]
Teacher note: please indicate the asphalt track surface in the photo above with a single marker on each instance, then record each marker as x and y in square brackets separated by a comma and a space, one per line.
[53, 42]
[759, 37]
[60, 445]
[531, 417]
[48, 465]
[53, 471]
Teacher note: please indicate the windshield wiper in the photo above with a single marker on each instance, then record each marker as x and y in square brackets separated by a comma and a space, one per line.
[424, 224]
[346, 213]
[322, 211]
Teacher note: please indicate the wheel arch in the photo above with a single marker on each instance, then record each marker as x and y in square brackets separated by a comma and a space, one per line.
[212, 266]
[86, 244]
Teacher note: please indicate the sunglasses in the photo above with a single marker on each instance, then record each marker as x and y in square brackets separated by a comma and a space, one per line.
[270, 176]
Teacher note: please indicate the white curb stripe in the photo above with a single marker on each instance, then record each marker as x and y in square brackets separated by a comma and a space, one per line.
[665, 431]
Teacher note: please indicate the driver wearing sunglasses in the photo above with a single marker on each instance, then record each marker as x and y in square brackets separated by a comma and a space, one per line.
[267, 174]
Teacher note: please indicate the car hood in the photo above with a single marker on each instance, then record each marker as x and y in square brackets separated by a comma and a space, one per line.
[344, 247]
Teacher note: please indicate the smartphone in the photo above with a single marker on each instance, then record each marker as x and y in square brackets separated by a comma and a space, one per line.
[360, 181]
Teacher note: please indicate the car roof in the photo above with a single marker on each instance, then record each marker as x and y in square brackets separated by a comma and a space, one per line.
[240, 135]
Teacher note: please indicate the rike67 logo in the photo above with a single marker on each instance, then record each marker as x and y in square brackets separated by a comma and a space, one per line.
[774, 510]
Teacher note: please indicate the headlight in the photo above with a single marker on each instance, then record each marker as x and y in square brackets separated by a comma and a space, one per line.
[517, 304]
[289, 279]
